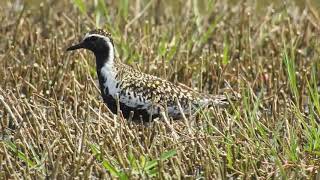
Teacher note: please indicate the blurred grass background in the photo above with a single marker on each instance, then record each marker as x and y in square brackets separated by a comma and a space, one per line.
[54, 124]
[259, 3]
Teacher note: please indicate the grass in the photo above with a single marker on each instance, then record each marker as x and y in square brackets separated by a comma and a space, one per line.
[54, 124]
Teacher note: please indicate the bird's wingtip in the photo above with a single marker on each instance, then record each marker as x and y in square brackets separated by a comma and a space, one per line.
[224, 100]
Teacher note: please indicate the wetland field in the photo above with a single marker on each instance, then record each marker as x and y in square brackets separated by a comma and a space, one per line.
[54, 125]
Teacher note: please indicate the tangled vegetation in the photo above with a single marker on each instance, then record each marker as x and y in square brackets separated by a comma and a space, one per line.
[53, 123]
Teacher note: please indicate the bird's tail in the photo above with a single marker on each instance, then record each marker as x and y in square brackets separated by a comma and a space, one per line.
[218, 100]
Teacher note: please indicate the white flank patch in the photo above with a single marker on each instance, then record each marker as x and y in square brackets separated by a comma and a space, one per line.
[107, 71]
[109, 75]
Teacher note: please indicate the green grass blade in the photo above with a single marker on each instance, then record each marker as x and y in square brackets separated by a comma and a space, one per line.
[166, 155]
[225, 59]
[81, 6]
[20, 154]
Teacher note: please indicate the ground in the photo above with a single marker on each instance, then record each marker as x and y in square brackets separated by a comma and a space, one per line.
[54, 124]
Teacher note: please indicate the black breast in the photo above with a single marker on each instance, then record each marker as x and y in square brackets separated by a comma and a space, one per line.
[139, 113]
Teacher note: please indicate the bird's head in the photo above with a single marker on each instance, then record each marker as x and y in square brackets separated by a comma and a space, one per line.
[97, 41]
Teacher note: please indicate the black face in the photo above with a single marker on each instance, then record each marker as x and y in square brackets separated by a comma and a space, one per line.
[96, 44]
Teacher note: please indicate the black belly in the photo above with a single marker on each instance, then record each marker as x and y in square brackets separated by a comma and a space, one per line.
[138, 114]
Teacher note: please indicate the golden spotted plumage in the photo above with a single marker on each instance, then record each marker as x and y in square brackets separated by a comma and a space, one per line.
[137, 92]
[157, 90]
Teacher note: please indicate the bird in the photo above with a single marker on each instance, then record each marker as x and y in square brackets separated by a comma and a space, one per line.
[138, 95]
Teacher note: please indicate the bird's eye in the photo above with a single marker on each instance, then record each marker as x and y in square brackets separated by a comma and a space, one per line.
[93, 38]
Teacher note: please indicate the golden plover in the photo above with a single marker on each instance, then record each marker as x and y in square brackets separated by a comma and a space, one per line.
[134, 91]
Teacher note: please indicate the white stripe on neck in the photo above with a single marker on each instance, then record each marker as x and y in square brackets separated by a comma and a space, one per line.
[111, 57]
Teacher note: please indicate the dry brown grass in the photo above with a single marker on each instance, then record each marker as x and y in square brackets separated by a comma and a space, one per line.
[54, 124]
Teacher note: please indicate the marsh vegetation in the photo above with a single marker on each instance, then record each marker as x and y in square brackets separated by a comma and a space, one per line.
[53, 123]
